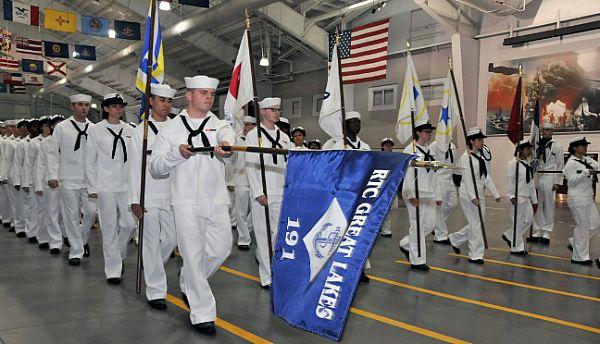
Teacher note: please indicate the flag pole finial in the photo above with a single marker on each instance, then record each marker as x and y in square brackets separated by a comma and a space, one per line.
[247, 19]
[520, 69]
[407, 45]
[337, 36]
[450, 62]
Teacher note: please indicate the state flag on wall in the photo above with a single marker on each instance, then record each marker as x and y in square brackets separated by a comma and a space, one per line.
[28, 46]
[60, 21]
[34, 80]
[56, 68]
[128, 30]
[20, 13]
[33, 66]
[18, 89]
[85, 52]
[8, 63]
[3, 87]
[55, 49]
[5, 41]
[12, 78]
[95, 26]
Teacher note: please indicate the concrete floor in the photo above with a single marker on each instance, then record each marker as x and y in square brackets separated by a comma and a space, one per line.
[542, 298]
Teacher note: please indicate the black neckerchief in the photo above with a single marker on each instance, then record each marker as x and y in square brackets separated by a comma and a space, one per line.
[426, 155]
[153, 127]
[482, 168]
[528, 171]
[545, 143]
[449, 154]
[587, 166]
[485, 150]
[80, 133]
[357, 147]
[199, 131]
[274, 142]
[117, 138]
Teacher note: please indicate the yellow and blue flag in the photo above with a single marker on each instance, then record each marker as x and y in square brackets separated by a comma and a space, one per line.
[158, 58]
[412, 101]
[449, 115]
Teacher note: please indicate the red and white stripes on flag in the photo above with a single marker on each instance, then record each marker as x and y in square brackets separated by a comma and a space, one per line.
[363, 52]
[9, 63]
[28, 46]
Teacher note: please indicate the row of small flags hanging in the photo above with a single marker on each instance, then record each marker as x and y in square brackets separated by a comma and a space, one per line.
[19, 46]
[67, 21]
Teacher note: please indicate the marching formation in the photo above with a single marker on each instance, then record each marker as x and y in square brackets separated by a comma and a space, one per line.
[59, 175]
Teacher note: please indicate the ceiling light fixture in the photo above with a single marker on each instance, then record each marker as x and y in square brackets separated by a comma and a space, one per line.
[112, 33]
[165, 5]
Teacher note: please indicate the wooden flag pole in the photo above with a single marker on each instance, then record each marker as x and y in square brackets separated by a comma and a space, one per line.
[516, 203]
[342, 103]
[471, 168]
[138, 272]
[259, 134]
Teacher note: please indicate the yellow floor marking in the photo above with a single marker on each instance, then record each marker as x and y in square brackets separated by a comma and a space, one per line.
[487, 305]
[532, 267]
[227, 326]
[532, 254]
[514, 284]
[367, 314]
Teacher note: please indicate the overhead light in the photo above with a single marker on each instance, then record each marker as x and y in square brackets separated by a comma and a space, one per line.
[112, 33]
[264, 62]
[165, 5]
[74, 54]
[94, 106]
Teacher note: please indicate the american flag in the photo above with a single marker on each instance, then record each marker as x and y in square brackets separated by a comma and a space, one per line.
[363, 52]
[28, 46]
[9, 63]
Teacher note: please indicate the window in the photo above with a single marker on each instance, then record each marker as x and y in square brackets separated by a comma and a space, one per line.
[433, 90]
[317, 103]
[383, 97]
[292, 108]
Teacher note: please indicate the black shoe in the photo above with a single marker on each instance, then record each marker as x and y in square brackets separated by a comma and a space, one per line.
[506, 240]
[32, 240]
[256, 260]
[582, 262]
[405, 252]
[419, 267]
[21, 235]
[55, 251]
[387, 235]
[11, 230]
[6, 225]
[113, 280]
[74, 261]
[244, 247]
[44, 246]
[533, 239]
[476, 261]
[442, 242]
[570, 247]
[545, 241]
[172, 254]
[86, 250]
[266, 287]
[363, 277]
[158, 304]
[66, 242]
[185, 299]
[207, 328]
[455, 249]
[519, 253]
[597, 262]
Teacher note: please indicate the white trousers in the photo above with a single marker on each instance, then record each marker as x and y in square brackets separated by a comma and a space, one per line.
[470, 233]
[449, 194]
[543, 222]
[5, 210]
[31, 213]
[243, 214]
[49, 220]
[19, 209]
[11, 194]
[587, 225]
[232, 217]
[524, 221]
[117, 225]
[204, 239]
[79, 215]
[160, 240]
[427, 222]
[260, 233]
[43, 236]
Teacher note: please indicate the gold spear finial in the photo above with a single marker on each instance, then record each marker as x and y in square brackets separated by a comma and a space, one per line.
[247, 19]
[520, 69]
[449, 62]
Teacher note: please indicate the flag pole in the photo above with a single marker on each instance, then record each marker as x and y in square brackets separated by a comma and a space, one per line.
[471, 168]
[138, 273]
[259, 134]
[537, 148]
[414, 145]
[342, 104]
[516, 203]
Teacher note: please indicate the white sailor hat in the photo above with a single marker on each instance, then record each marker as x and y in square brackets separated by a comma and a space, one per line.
[162, 90]
[78, 98]
[284, 120]
[249, 119]
[525, 143]
[201, 81]
[300, 129]
[578, 141]
[387, 140]
[475, 133]
[352, 114]
[113, 98]
[2, 125]
[547, 125]
[269, 103]
[175, 110]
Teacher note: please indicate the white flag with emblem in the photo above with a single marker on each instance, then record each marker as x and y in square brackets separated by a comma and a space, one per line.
[449, 115]
[330, 117]
[240, 90]
[412, 100]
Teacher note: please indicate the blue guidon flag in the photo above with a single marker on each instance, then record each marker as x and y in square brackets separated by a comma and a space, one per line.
[333, 207]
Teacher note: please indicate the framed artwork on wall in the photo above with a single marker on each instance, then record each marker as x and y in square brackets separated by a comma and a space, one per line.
[568, 85]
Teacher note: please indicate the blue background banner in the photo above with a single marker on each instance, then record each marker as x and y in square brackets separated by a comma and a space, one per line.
[333, 207]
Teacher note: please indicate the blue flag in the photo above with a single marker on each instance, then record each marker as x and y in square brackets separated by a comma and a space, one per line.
[85, 52]
[33, 66]
[55, 49]
[127, 30]
[329, 221]
[95, 26]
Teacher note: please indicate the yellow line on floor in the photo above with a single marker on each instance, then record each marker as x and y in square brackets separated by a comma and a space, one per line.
[487, 305]
[227, 326]
[514, 284]
[532, 267]
[532, 254]
[370, 315]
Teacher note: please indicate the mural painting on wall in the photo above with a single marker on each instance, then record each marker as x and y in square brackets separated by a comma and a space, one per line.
[568, 85]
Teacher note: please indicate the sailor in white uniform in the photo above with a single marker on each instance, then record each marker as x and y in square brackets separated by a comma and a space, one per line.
[198, 194]
[387, 145]
[160, 238]
[275, 165]
[4, 219]
[28, 176]
[107, 181]
[16, 174]
[527, 196]
[66, 165]
[550, 157]
[298, 138]
[6, 160]
[448, 190]
[581, 172]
